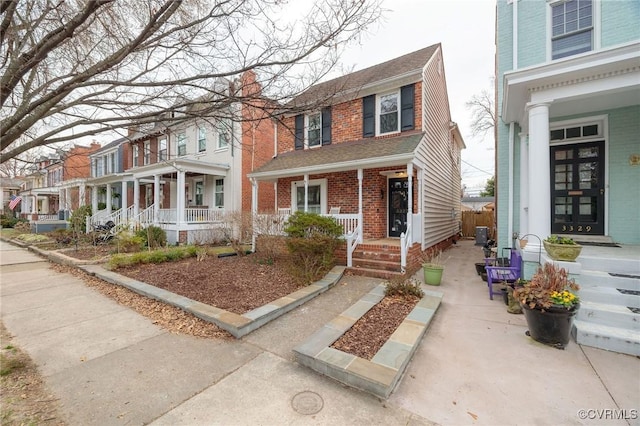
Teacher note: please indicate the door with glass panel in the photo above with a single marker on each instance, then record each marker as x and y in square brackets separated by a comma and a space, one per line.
[577, 189]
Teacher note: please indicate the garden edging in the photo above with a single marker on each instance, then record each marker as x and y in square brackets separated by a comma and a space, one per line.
[237, 325]
[380, 375]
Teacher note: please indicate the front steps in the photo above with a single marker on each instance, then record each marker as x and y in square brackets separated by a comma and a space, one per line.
[609, 315]
[376, 261]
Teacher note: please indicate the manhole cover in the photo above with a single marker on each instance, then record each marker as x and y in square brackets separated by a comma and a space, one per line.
[307, 402]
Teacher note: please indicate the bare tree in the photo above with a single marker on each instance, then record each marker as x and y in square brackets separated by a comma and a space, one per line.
[483, 111]
[73, 68]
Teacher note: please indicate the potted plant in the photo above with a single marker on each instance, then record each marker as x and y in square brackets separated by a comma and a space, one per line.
[549, 304]
[433, 267]
[562, 248]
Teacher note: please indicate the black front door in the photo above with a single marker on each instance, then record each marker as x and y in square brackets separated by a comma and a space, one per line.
[398, 206]
[577, 189]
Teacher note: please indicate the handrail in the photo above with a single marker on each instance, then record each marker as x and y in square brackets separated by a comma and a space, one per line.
[405, 243]
[352, 242]
[142, 219]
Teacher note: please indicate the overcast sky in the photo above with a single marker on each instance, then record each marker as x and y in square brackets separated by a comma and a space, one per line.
[466, 30]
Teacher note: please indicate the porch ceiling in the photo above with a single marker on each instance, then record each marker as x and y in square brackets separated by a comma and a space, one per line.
[180, 164]
[365, 153]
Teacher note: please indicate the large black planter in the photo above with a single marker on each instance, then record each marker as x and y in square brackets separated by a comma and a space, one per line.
[551, 326]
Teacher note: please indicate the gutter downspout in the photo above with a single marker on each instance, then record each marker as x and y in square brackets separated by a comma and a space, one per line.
[510, 202]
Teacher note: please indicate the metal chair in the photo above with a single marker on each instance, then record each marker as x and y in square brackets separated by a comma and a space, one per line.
[503, 274]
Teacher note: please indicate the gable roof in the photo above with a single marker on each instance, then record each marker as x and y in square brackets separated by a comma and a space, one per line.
[342, 156]
[402, 65]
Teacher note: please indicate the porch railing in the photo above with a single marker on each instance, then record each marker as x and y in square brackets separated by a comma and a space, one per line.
[142, 219]
[353, 238]
[47, 217]
[405, 243]
[191, 215]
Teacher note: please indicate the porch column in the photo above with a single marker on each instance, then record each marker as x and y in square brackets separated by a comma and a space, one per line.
[539, 188]
[254, 210]
[524, 185]
[410, 200]
[180, 205]
[360, 217]
[156, 198]
[34, 205]
[62, 200]
[67, 198]
[82, 193]
[109, 195]
[136, 197]
[306, 193]
[94, 199]
[124, 202]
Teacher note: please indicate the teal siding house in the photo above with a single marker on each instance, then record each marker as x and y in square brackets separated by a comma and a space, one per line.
[568, 151]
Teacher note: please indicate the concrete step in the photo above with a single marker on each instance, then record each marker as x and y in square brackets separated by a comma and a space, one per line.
[605, 337]
[377, 255]
[590, 278]
[609, 315]
[610, 264]
[608, 295]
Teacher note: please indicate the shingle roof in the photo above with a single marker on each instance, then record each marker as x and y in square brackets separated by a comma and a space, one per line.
[405, 64]
[331, 156]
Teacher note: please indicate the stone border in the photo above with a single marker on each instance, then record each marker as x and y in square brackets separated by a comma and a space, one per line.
[380, 375]
[237, 325]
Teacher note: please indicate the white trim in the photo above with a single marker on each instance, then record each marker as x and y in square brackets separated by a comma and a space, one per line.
[595, 28]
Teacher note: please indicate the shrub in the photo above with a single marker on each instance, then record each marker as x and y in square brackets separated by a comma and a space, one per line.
[9, 221]
[78, 219]
[153, 236]
[311, 244]
[403, 286]
[129, 243]
[62, 236]
[154, 256]
[22, 227]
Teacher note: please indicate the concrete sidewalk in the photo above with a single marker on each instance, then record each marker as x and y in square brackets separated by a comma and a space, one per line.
[109, 365]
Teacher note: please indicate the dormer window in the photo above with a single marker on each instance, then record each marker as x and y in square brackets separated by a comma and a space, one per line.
[571, 28]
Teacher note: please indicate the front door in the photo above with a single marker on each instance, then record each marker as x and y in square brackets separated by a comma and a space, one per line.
[398, 206]
[577, 189]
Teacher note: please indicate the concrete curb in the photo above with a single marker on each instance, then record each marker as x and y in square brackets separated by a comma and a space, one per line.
[237, 325]
[380, 375]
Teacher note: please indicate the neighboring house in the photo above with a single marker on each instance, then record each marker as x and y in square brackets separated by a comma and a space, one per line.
[9, 187]
[187, 177]
[568, 92]
[377, 150]
[478, 204]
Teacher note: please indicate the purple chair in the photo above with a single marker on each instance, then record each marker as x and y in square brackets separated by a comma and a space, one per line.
[503, 274]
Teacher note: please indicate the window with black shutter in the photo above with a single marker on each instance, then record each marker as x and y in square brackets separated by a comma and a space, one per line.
[369, 116]
[326, 126]
[299, 132]
[407, 96]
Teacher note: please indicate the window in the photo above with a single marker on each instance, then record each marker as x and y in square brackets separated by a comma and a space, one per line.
[575, 132]
[181, 144]
[317, 202]
[162, 149]
[387, 109]
[199, 193]
[147, 153]
[112, 161]
[105, 165]
[202, 139]
[571, 28]
[224, 128]
[314, 129]
[219, 193]
[94, 167]
[135, 156]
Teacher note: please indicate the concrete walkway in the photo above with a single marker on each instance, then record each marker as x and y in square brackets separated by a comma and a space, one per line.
[109, 365]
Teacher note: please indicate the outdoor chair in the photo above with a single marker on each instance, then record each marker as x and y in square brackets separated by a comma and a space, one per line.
[508, 274]
[334, 210]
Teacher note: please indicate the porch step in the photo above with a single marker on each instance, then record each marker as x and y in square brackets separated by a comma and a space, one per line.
[384, 265]
[373, 273]
[610, 295]
[605, 337]
[610, 263]
[609, 315]
[605, 279]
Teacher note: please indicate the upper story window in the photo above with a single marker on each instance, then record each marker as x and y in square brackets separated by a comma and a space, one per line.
[219, 193]
[388, 113]
[105, 165]
[224, 132]
[135, 155]
[147, 153]
[571, 28]
[314, 129]
[181, 143]
[162, 149]
[202, 139]
[112, 162]
[94, 167]
[99, 166]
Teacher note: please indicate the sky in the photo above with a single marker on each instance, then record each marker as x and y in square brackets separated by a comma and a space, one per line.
[465, 28]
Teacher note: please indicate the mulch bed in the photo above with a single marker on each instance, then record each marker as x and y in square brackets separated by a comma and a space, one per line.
[365, 338]
[237, 284]
[89, 252]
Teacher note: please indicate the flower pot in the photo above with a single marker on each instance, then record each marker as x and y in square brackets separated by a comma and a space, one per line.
[523, 243]
[432, 273]
[551, 326]
[566, 252]
[480, 268]
[513, 304]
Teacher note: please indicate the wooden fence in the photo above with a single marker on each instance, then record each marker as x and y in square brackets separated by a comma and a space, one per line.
[471, 219]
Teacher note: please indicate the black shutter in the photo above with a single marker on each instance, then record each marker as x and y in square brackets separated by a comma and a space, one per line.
[407, 109]
[299, 135]
[369, 116]
[326, 126]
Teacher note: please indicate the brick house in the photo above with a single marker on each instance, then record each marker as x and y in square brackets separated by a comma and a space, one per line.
[58, 184]
[185, 177]
[376, 149]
